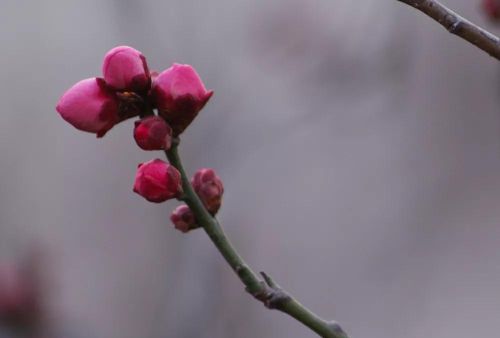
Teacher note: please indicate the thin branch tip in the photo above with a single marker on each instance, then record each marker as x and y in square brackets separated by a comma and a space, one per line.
[274, 297]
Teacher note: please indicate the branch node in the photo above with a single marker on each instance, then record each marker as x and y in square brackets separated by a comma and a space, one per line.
[454, 27]
[265, 290]
[271, 294]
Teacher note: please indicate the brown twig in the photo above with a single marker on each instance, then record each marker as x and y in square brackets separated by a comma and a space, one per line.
[455, 24]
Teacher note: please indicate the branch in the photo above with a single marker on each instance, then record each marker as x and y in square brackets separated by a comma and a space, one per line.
[458, 25]
[266, 291]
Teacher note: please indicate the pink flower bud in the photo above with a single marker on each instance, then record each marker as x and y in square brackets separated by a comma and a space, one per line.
[183, 219]
[89, 106]
[492, 9]
[179, 95]
[209, 188]
[157, 181]
[125, 68]
[153, 133]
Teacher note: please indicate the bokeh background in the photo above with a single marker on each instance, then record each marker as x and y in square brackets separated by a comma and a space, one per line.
[359, 144]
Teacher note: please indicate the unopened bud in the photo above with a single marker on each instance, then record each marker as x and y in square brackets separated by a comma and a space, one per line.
[125, 68]
[89, 106]
[153, 133]
[157, 181]
[209, 188]
[179, 95]
[183, 219]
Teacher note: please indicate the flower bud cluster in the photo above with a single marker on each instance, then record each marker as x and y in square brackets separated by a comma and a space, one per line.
[209, 188]
[128, 89]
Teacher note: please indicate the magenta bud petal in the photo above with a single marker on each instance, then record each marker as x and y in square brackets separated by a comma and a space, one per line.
[125, 68]
[209, 188]
[89, 106]
[183, 219]
[157, 181]
[153, 133]
[179, 95]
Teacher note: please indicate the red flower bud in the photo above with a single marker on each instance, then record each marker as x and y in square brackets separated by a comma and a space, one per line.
[89, 106]
[179, 95]
[492, 9]
[157, 181]
[183, 219]
[209, 188]
[125, 68]
[153, 133]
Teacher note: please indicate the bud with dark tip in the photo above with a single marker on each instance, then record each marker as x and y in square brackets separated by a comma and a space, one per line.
[183, 219]
[209, 188]
[157, 181]
[179, 94]
[153, 133]
[125, 68]
[89, 106]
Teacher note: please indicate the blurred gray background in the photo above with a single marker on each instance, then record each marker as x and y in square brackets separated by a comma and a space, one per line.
[359, 144]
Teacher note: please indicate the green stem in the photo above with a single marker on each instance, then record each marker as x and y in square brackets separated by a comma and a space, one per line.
[266, 291]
